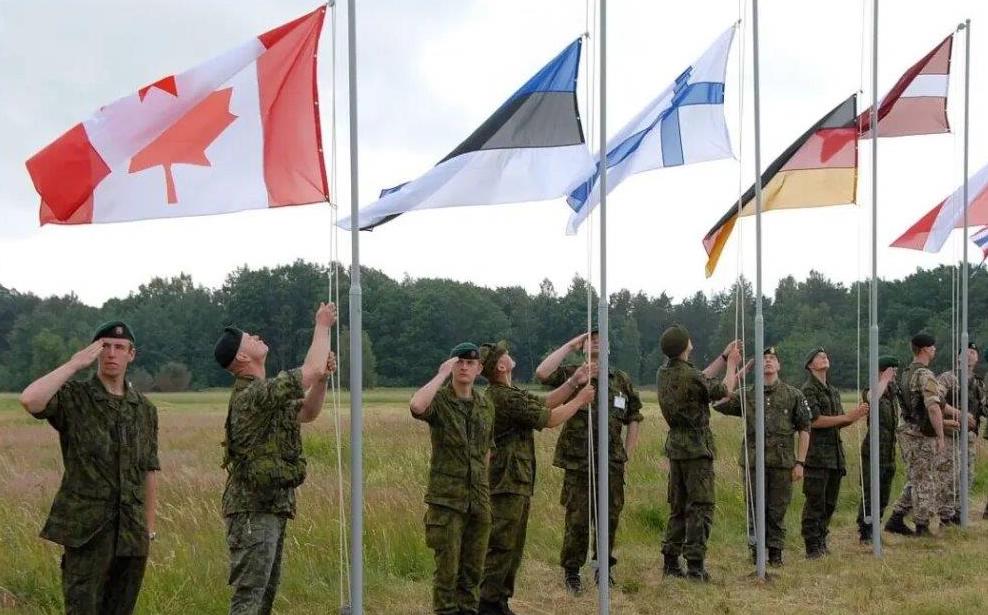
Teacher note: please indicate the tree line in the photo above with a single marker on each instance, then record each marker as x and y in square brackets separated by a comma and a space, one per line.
[410, 324]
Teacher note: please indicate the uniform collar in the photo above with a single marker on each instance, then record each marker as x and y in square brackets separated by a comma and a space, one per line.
[674, 360]
[130, 395]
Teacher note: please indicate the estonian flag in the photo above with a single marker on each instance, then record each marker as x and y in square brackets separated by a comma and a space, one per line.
[531, 149]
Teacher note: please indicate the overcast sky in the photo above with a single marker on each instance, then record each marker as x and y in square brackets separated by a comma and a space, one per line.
[429, 72]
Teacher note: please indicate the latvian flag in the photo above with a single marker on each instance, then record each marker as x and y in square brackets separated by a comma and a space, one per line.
[917, 104]
[531, 149]
[240, 131]
[817, 170]
[930, 233]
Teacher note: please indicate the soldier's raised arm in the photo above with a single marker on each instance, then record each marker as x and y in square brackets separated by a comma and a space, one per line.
[37, 394]
[422, 398]
[317, 357]
[552, 362]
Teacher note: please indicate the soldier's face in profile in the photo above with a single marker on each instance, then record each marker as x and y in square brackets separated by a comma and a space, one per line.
[466, 370]
[506, 363]
[116, 355]
[253, 346]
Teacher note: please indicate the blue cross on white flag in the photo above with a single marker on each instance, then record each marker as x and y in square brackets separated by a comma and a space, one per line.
[683, 125]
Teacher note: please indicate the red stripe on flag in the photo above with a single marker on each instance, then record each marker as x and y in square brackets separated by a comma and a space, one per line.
[294, 169]
[65, 174]
[915, 237]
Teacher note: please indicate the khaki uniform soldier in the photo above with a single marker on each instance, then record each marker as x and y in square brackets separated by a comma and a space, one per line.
[787, 419]
[517, 414]
[458, 518]
[685, 394]
[573, 449]
[950, 501]
[264, 458]
[921, 439]
[104, 512]
[890, 403]
[826, 462]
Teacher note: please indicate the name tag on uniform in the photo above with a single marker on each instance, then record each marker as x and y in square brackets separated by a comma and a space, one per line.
[620, 402]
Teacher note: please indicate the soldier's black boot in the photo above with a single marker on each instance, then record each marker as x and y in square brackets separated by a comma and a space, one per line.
[953, 520]
[864, 534]
[610, 577]
[572, 581]
[814, 550]
[775, 558]
[696, 572]
[489, 608]
[672, 567]
[922, 530]
[897, 525]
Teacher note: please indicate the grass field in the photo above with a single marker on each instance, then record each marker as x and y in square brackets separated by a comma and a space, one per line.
[187, 571]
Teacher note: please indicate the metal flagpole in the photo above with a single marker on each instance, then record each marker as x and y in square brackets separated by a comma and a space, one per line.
[965, 478]
[603, 410]
[759, 319]
[356, 339]
[876, 530]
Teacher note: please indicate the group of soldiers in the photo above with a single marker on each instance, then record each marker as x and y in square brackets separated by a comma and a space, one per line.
[104, 512]
[482, 473]
[483, 465]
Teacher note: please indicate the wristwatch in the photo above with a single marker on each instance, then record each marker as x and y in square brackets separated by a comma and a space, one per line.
[152, 536]
[800, 463]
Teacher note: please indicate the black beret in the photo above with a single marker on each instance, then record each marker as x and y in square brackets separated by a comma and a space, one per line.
[466, 350]
[923, 340]
[227, 346]
[887, 361]
[674, 341]
[116, 329]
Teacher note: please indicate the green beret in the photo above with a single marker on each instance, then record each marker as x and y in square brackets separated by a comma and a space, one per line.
[227, 346]
[489, 356]
[674, 341]
[116, 329]
[923, 340]
[466, 350]
[887, 361]
[812, 354]
[772, 350]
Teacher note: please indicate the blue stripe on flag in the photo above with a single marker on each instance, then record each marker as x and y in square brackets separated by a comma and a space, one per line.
[559, 75]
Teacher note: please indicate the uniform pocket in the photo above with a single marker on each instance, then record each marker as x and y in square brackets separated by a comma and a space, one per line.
[437, 525]
[522, 470]
[242, 532]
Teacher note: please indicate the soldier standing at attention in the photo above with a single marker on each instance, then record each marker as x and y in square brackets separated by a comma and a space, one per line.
[950, 507]
[890, 403]
[921, 439]
[458, 518]
[825, 462]
[517, 414]
[685, 394]
[104, 512]
[263, 459]
[574, 448]
[786, 415]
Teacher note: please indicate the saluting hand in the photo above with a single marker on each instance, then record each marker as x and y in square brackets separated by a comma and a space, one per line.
[326, 314]
[887, 376]
[85, 357]
[576, 344]
[446, 367]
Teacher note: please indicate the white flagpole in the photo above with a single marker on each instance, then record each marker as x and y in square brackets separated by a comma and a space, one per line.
[873, 399]
[603, 411]
[759, 320]
[965, 478]
[356, 340]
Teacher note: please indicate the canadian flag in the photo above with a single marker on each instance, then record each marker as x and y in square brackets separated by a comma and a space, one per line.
[238, 132]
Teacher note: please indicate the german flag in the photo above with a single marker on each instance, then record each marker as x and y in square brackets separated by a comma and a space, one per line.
[819, 169]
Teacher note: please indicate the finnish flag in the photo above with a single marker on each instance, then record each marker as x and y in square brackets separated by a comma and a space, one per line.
[683, 125]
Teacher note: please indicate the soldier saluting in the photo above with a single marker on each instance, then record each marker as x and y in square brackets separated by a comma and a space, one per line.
[104, 512]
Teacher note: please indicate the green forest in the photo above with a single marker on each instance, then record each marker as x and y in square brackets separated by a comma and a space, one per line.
[410, 324]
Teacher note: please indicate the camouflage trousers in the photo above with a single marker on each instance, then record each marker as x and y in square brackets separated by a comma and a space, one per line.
[575, 497]
[886, 474]
[949, 475]
[459, 542]
[919, 494]
[778, 495]
[506, 545]
[95, 581]
[691, 508]
[256, 541]
[821, 486]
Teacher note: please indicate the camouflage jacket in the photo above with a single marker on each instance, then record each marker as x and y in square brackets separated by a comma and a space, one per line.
[685, 395]
[889, 406]
[462, 433]
[624, 407]
[976, 401]
[786, 413]
[921, 391]
[516, 414]
[109, 444]
[826, 447]
[264, 460]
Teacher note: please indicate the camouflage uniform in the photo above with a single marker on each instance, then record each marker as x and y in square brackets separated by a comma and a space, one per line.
[512, 480]
[685, 395]
[917, 440]
[458, 519]
[109, 444]
[786, 414]
[889, 406]
[826, 465]
[976, 406]
[624, 406]
[264, 463]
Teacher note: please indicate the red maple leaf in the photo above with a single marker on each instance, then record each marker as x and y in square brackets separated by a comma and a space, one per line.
[185, 141]
[165, 84]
